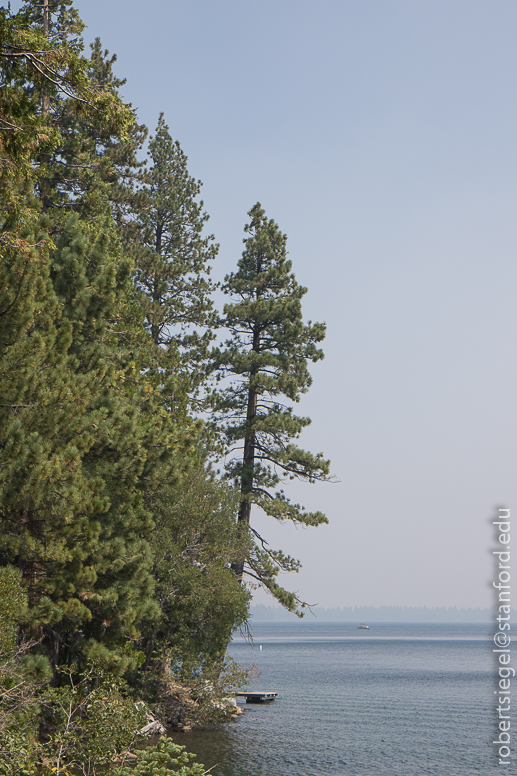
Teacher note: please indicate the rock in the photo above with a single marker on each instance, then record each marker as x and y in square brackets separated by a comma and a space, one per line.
[229, 705]
[153, 728]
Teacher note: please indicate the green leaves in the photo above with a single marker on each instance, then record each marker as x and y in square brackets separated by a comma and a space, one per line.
[194, 541]
[13, 606]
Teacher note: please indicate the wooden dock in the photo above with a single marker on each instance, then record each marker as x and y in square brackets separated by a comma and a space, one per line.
[257, 696]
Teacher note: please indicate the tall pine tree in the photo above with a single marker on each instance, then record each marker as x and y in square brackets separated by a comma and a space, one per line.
[173, 271]
[266, 360]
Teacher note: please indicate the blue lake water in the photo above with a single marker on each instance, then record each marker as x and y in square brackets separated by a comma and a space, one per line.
[396, 700]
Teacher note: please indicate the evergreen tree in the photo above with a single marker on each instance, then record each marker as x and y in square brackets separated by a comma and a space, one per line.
[24, 130]
[266, 360]
[173, 271]
[98, 136]
[116, 156]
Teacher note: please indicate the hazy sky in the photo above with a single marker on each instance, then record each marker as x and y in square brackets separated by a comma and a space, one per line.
[381, 136]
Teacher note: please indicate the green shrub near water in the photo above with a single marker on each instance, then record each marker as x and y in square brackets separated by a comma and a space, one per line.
[162, 760]
[80, 726]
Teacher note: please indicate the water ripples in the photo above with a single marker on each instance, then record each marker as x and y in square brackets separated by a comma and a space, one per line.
[402, 703]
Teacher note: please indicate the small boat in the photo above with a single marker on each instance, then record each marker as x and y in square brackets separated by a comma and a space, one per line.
[362, 626]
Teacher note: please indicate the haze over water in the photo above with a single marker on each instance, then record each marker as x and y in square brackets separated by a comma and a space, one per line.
[397, 700]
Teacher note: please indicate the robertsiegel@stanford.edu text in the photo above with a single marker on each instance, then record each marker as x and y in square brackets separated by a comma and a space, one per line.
[502, 638]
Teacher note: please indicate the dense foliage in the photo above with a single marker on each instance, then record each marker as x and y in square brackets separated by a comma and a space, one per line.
[121, 548]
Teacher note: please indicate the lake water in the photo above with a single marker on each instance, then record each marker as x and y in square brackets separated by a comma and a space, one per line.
[395, 700]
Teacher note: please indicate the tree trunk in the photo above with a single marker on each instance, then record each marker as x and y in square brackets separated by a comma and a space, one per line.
[46, 98]
[248, 461]
[155, 325]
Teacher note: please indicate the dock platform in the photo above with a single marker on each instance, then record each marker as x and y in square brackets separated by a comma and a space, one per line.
[256, 696]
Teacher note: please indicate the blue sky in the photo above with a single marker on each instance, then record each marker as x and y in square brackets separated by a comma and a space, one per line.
[380, 135]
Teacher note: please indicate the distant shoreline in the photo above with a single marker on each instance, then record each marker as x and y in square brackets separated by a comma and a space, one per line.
[262, 613]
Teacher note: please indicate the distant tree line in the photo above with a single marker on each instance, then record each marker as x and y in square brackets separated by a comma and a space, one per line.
[369, 614]
[123, 551]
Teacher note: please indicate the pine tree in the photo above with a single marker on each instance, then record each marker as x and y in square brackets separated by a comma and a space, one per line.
[78, 103]
[24, 131]
[173, 271]
[116, 156]
[266, 360]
